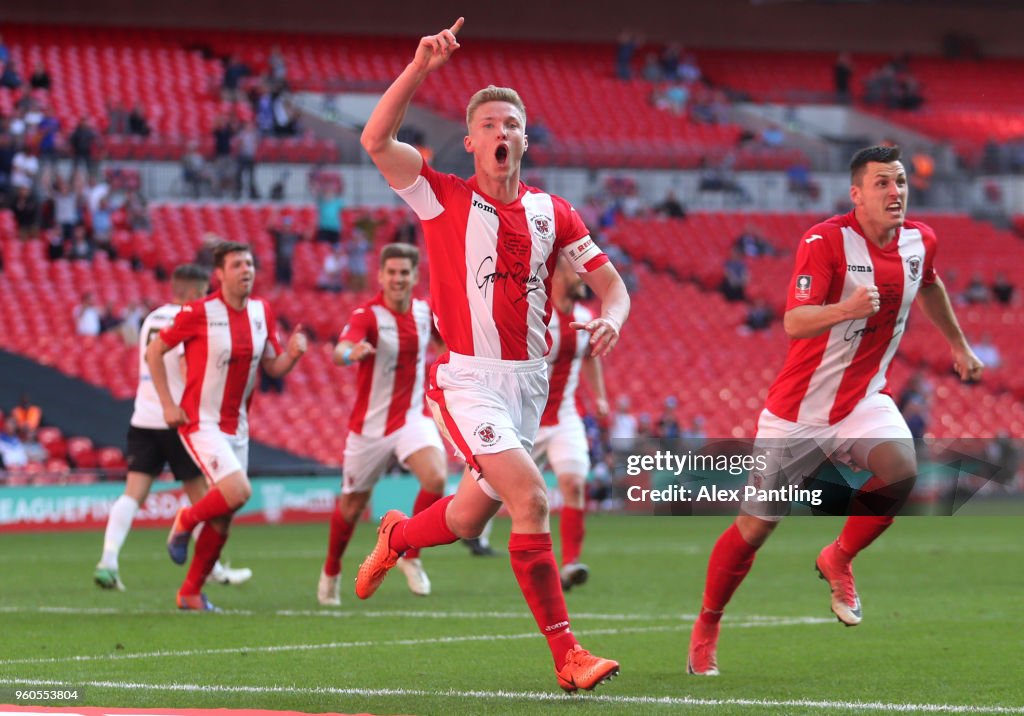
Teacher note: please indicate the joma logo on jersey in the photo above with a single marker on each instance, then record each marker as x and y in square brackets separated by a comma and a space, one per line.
[854, 268]
[485, 207]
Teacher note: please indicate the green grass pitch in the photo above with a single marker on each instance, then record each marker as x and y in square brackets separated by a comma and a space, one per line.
[943, 625]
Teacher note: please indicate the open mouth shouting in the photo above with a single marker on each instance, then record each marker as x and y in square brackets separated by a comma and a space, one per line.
[501, 155]
[895, 210]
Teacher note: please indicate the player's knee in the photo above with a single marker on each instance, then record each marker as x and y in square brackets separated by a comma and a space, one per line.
[433, 482]
[530, 506]
[754, 530]
[464, 526]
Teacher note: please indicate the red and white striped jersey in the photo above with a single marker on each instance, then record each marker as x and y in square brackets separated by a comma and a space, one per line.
[148, 412]
[568, 349]
[491, 263]
[390, 382]
[223, 349]
[825, 377]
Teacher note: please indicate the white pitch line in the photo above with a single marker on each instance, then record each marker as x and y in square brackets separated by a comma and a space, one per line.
[404, 614]
[538, 696]
[277, 648]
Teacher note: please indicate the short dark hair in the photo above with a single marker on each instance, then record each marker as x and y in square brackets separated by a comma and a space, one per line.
[878, 153]
[224, 248]
[190, 273]
[400, 251]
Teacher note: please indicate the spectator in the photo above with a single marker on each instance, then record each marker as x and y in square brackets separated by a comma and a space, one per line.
[670, 61]
[195, 172]
[624, 426]
[1002, 289]
[9, 76]
[688, 70]
[624, 51]
[47, 132]
[358, 260]
[668, 424]
[918, 388]
[329, 205]
[26, 212]
[7, 152]
[83, 146]
[976, 291]
[671, 207]
[234, 71]
[103, 228]
[223, 161]
[915, 412]
[109, 320]
[695, 435]
[759, 315]
[332, 273]
[5, 54]
[752, 244]
[988, 352]
[286, 236]
[801, 184]
[736, 277]
[277, 69]
[204, 254]
[80, 249]
[407, 231]
[117, 118]
[286, 117]
[40, 79]
[247, 143]
[25, 169]
[12, 451]
[136, 211]
[138, 124]
[27, 417]
[132, 322]
[67, 209]
[87, 316]
[842, 73]
[652, 68]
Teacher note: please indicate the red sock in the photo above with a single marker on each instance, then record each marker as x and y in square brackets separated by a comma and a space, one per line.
[211, 505]
[208, 547]
[859, 532]
[533, 563]
[572, 534]
[427, 529]
[341, 533]
[730, 561]
[423, 500]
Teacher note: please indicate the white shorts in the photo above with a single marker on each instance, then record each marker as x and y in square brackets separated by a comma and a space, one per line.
[484, 406]
[366, 459]
[565, 446]
[216, 453]
[795, 451]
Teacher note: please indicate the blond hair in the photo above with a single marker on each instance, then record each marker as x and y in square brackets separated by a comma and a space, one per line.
[490, 93]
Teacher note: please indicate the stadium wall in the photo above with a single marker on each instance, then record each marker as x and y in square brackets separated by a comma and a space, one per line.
[917, 27]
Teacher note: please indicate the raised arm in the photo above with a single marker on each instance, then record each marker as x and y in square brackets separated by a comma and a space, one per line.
[399, 162]
[934, 302]
[810, 321]
[278, 366]
[606, 283]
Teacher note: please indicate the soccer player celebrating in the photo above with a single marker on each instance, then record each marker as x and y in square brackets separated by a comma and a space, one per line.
[227, 336]
[855, 278]
[388, 337]
[562, 438]
[492, 242]
[151, 444]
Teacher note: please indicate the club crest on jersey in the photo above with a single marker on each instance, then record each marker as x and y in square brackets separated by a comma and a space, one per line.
[542, 226]
[914, 267]
[803, 287]
[485, 432]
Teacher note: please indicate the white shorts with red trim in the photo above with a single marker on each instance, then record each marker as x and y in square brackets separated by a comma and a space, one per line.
[484, 406]
[216, 453]
[794, 451]
[366, 459]
[565, 447]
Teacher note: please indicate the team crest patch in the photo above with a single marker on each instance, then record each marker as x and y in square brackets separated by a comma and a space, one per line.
[803, 287]
[214, 465]
[914, 267]
[486, 433]
[542, 226]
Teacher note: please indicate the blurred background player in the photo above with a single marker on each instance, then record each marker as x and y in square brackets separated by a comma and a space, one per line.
[561, 438]
[492, 242]
[388, 337]
[151, 444]
[855, 278]
[227, 336]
